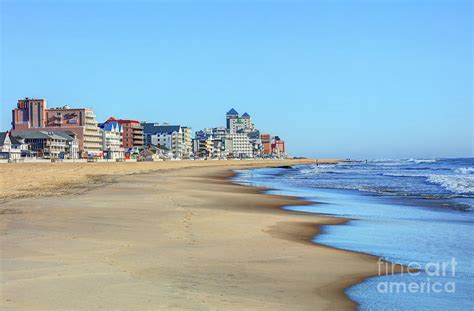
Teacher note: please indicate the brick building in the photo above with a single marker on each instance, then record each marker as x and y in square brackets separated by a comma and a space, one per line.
[33, 115]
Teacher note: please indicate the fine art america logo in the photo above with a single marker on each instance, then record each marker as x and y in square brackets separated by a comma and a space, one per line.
[431, 277]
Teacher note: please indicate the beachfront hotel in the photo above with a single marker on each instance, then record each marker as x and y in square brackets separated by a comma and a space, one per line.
[33, 115]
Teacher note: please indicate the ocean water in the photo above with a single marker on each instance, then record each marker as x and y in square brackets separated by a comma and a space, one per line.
[416, 212]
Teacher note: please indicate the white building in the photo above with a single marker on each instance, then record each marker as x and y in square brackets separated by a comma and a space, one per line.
[8, 150]
[112, 134]
[20, 144]
[240, 145]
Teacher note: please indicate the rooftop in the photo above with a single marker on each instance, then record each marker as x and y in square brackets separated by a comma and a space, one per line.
[3, 136]
[153, 128]
[45, 135]
[120, 121]
[111, 126]
[232, 112]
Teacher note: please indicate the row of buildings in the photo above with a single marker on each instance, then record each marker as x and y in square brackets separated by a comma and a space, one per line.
[238, 139]
[73, 133]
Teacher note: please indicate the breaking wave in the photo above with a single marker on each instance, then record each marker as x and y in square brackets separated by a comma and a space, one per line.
[456, 184]
[465, 170]
[453, 183]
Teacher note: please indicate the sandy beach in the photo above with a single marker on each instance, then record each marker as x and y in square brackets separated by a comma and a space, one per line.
[170, 235]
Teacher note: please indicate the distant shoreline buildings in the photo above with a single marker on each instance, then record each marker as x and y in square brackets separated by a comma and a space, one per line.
[74, 133]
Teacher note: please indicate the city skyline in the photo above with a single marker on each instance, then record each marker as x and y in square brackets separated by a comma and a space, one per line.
[69, 133]
[389, 80]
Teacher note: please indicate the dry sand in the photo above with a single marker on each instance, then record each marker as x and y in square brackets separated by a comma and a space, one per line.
[180, 237]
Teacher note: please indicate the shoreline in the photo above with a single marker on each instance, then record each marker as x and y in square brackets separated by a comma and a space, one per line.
[314, 230]
[294, 227]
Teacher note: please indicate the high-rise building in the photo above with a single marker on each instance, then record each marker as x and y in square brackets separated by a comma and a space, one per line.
[33, 115]
[230, 116]
[237, 124]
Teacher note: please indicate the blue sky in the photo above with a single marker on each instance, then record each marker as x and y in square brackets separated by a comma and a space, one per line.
[351, 79]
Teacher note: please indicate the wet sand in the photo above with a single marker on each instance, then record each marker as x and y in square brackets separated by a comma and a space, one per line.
[180, 238]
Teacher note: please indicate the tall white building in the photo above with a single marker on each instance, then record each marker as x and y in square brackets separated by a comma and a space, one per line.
[241, 145]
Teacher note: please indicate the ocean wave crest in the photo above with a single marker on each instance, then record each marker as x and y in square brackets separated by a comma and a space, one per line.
[417, 161]
[456, 184]
[465, 170]
[460, 184]
[317, 169]
[395, 162]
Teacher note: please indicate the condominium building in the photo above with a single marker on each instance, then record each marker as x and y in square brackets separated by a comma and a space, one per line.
[256, 141]
[236, 123]
[32, 115]
[279, 148]
[273, 146]
[176, 138]
[214, 132]
[203, 148]
[132, 133]
[52, 144]
[221, 143]
[267, 143]
[112, 141]
[187, 141]
[241, 146]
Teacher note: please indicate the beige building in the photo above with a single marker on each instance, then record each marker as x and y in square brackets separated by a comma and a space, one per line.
[203, 148]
